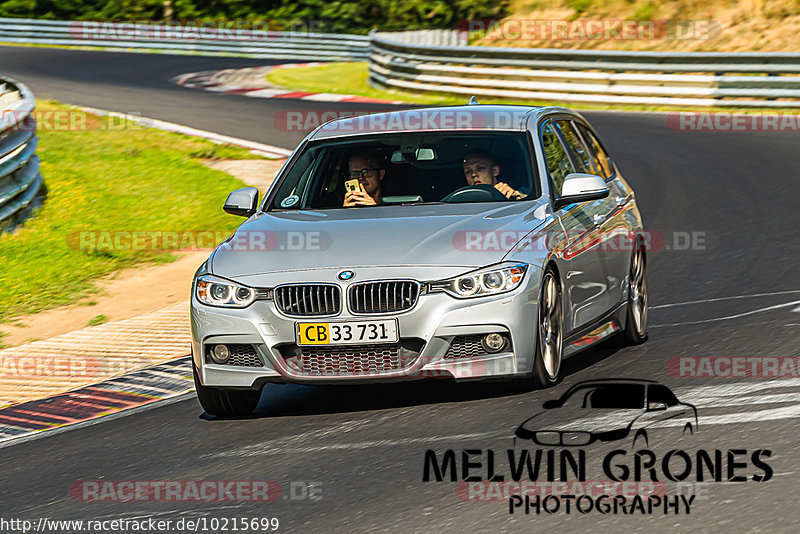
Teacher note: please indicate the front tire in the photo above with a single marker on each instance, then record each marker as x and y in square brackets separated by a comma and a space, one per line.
[225, 402]
[636, 323]
[550, 332]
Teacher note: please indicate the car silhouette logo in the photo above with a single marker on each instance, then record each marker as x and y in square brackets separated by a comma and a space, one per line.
[346, 275]
[610, 410]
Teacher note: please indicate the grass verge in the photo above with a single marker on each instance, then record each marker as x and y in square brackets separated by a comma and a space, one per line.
[352, 78]
[107, 178]
[348, 78]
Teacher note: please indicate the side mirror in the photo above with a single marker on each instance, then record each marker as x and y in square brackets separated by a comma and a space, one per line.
[549, 405]
[656, 406]
[581, 187]
[242, 202]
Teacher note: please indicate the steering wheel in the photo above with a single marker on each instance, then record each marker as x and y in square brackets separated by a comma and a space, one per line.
[475, 193]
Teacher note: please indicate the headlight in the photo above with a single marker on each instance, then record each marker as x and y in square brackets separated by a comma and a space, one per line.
[218, 292]
[489, 281]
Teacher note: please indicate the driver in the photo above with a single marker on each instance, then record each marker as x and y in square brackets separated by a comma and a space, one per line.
[480, 168]
[365, 167]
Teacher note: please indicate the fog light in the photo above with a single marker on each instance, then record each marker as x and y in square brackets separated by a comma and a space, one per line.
[220, 354]
[493, 342]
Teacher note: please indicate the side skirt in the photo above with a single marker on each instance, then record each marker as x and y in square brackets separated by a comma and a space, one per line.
[609, 324]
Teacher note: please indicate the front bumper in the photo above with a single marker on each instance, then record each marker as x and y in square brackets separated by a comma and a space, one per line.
[437, 337]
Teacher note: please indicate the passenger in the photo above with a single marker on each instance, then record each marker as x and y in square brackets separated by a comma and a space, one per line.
[366, 168]
[480, 168]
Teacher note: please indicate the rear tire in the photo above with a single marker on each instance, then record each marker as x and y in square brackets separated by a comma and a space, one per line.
[225, 402]
[636, 316]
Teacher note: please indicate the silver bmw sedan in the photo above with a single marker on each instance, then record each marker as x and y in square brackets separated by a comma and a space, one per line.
[468, 242]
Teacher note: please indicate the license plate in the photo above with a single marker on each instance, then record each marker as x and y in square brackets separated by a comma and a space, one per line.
[347, 333]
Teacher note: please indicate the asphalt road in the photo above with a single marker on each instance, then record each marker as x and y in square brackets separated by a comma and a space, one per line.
[736, 294]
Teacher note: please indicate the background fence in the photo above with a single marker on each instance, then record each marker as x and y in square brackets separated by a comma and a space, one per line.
[440, 61]
[21, 186]
[593, 76]
[246, 42]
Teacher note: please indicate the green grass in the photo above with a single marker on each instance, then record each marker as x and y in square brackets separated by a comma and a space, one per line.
[102, 180]
[96, 320]
[348, 78]
[352, 78]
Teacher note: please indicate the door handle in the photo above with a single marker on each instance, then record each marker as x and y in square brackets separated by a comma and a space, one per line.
[619, 200]
[598, 219]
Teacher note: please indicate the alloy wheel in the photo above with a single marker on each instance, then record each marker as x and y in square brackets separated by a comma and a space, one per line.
[550, 326]
[638, 291]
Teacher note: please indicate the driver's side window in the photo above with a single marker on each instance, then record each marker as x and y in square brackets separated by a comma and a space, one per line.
[558, 162]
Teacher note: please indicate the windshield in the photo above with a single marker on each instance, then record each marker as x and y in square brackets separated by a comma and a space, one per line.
[408, 168]
[609, 396]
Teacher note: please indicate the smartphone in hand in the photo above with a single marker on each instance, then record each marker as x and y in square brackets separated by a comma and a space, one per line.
[352, 185]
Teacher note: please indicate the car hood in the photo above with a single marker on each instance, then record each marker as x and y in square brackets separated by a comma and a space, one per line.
[581, 420]
[436, 234]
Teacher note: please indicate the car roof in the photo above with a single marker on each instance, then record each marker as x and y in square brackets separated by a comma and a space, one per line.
[474, 117]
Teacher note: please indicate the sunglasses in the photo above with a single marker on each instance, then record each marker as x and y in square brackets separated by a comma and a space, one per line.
[363, 173]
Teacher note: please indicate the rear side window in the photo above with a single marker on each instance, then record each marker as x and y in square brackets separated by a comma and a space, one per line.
[558, 162]
[582, 158]
[597, 152]
[659, 393]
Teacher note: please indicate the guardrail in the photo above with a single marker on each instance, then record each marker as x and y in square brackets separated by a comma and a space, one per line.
[610, 77]
[135, 36]
[439, 61]
[21, 185]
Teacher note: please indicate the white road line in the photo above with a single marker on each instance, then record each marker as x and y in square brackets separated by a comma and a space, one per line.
[171, 377]
[325, 97]
[733, 389]
[718, 299]
[787, 412]
[728, 317]
[267, 448]
[702, 397]
[260, 148]
[265, 93]
[723, 402]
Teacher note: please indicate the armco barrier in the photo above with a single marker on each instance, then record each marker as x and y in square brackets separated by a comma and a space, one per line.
[400, 61]
[135, 36]
[440, 61]
[21, 184]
